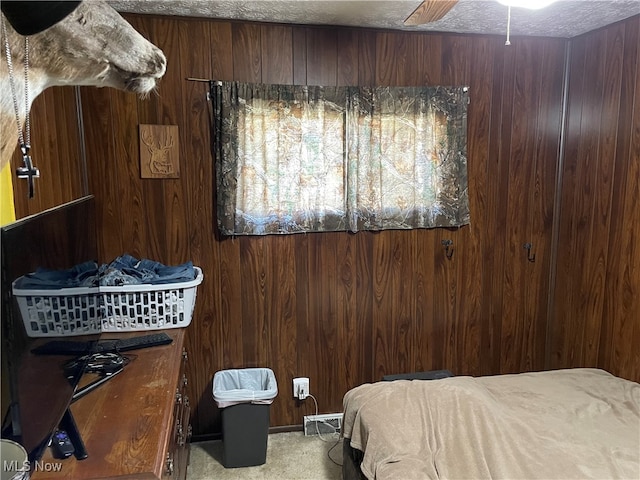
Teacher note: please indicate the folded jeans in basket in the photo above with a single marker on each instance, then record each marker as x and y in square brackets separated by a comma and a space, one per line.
[81, 275]
[124, 270]
[127, 270]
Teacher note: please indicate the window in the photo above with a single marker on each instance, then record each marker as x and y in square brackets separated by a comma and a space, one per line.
[308, 158]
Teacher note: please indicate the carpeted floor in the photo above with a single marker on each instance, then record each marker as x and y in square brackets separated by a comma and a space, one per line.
[290, 456]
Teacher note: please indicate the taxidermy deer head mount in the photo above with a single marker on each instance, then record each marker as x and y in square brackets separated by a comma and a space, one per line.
[93, 45]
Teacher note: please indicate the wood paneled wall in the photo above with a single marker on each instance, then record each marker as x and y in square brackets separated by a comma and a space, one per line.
[344, 308]
[340, 308]
[597, 295]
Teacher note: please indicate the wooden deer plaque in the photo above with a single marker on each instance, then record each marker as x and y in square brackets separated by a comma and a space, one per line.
[159, 151]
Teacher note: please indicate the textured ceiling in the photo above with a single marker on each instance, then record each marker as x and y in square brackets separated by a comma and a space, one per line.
[565, 18]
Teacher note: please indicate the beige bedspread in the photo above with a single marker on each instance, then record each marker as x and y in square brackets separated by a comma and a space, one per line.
[564, 424]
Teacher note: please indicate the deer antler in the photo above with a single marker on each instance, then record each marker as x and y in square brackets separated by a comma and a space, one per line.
[166, 147]
[148, 140]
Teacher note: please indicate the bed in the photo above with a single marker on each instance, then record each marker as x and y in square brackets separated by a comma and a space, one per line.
[564, 424]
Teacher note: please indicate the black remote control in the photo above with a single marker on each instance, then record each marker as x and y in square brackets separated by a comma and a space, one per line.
[70, 347]
[61, 445]
[68, 424]
[134, 343]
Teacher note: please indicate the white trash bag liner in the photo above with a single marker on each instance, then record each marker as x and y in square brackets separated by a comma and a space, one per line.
[246, 385]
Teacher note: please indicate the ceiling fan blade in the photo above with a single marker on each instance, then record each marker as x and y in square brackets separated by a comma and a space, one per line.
[430, 11]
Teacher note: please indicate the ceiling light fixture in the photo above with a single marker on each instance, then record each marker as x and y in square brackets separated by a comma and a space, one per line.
[531, 4]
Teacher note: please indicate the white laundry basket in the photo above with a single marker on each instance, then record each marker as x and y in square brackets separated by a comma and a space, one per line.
[129, 308]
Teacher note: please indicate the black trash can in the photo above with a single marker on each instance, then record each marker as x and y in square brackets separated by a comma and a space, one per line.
[244, 396]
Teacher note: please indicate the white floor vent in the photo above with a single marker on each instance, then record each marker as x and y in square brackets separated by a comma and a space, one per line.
[325, 424]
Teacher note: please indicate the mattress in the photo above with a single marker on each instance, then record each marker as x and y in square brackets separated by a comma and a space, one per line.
[562, 424]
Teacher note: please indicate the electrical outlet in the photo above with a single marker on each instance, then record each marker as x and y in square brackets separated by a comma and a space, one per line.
[301, 387]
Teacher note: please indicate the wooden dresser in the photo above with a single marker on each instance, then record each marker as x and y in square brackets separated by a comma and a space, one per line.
[136, 425]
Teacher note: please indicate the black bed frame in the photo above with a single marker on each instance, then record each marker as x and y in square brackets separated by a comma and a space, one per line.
[351, 460]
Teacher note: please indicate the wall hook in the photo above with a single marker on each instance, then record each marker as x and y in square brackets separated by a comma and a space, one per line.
[448, 248]
[530, 257]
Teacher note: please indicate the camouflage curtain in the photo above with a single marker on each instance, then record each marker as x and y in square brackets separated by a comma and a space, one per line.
[295, 159]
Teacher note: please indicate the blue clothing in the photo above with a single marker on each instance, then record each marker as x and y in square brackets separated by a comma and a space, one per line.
[44, 278]
[124, 270]
[127, 270]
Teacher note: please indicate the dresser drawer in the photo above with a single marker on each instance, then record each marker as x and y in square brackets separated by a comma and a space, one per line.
[177, 458]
